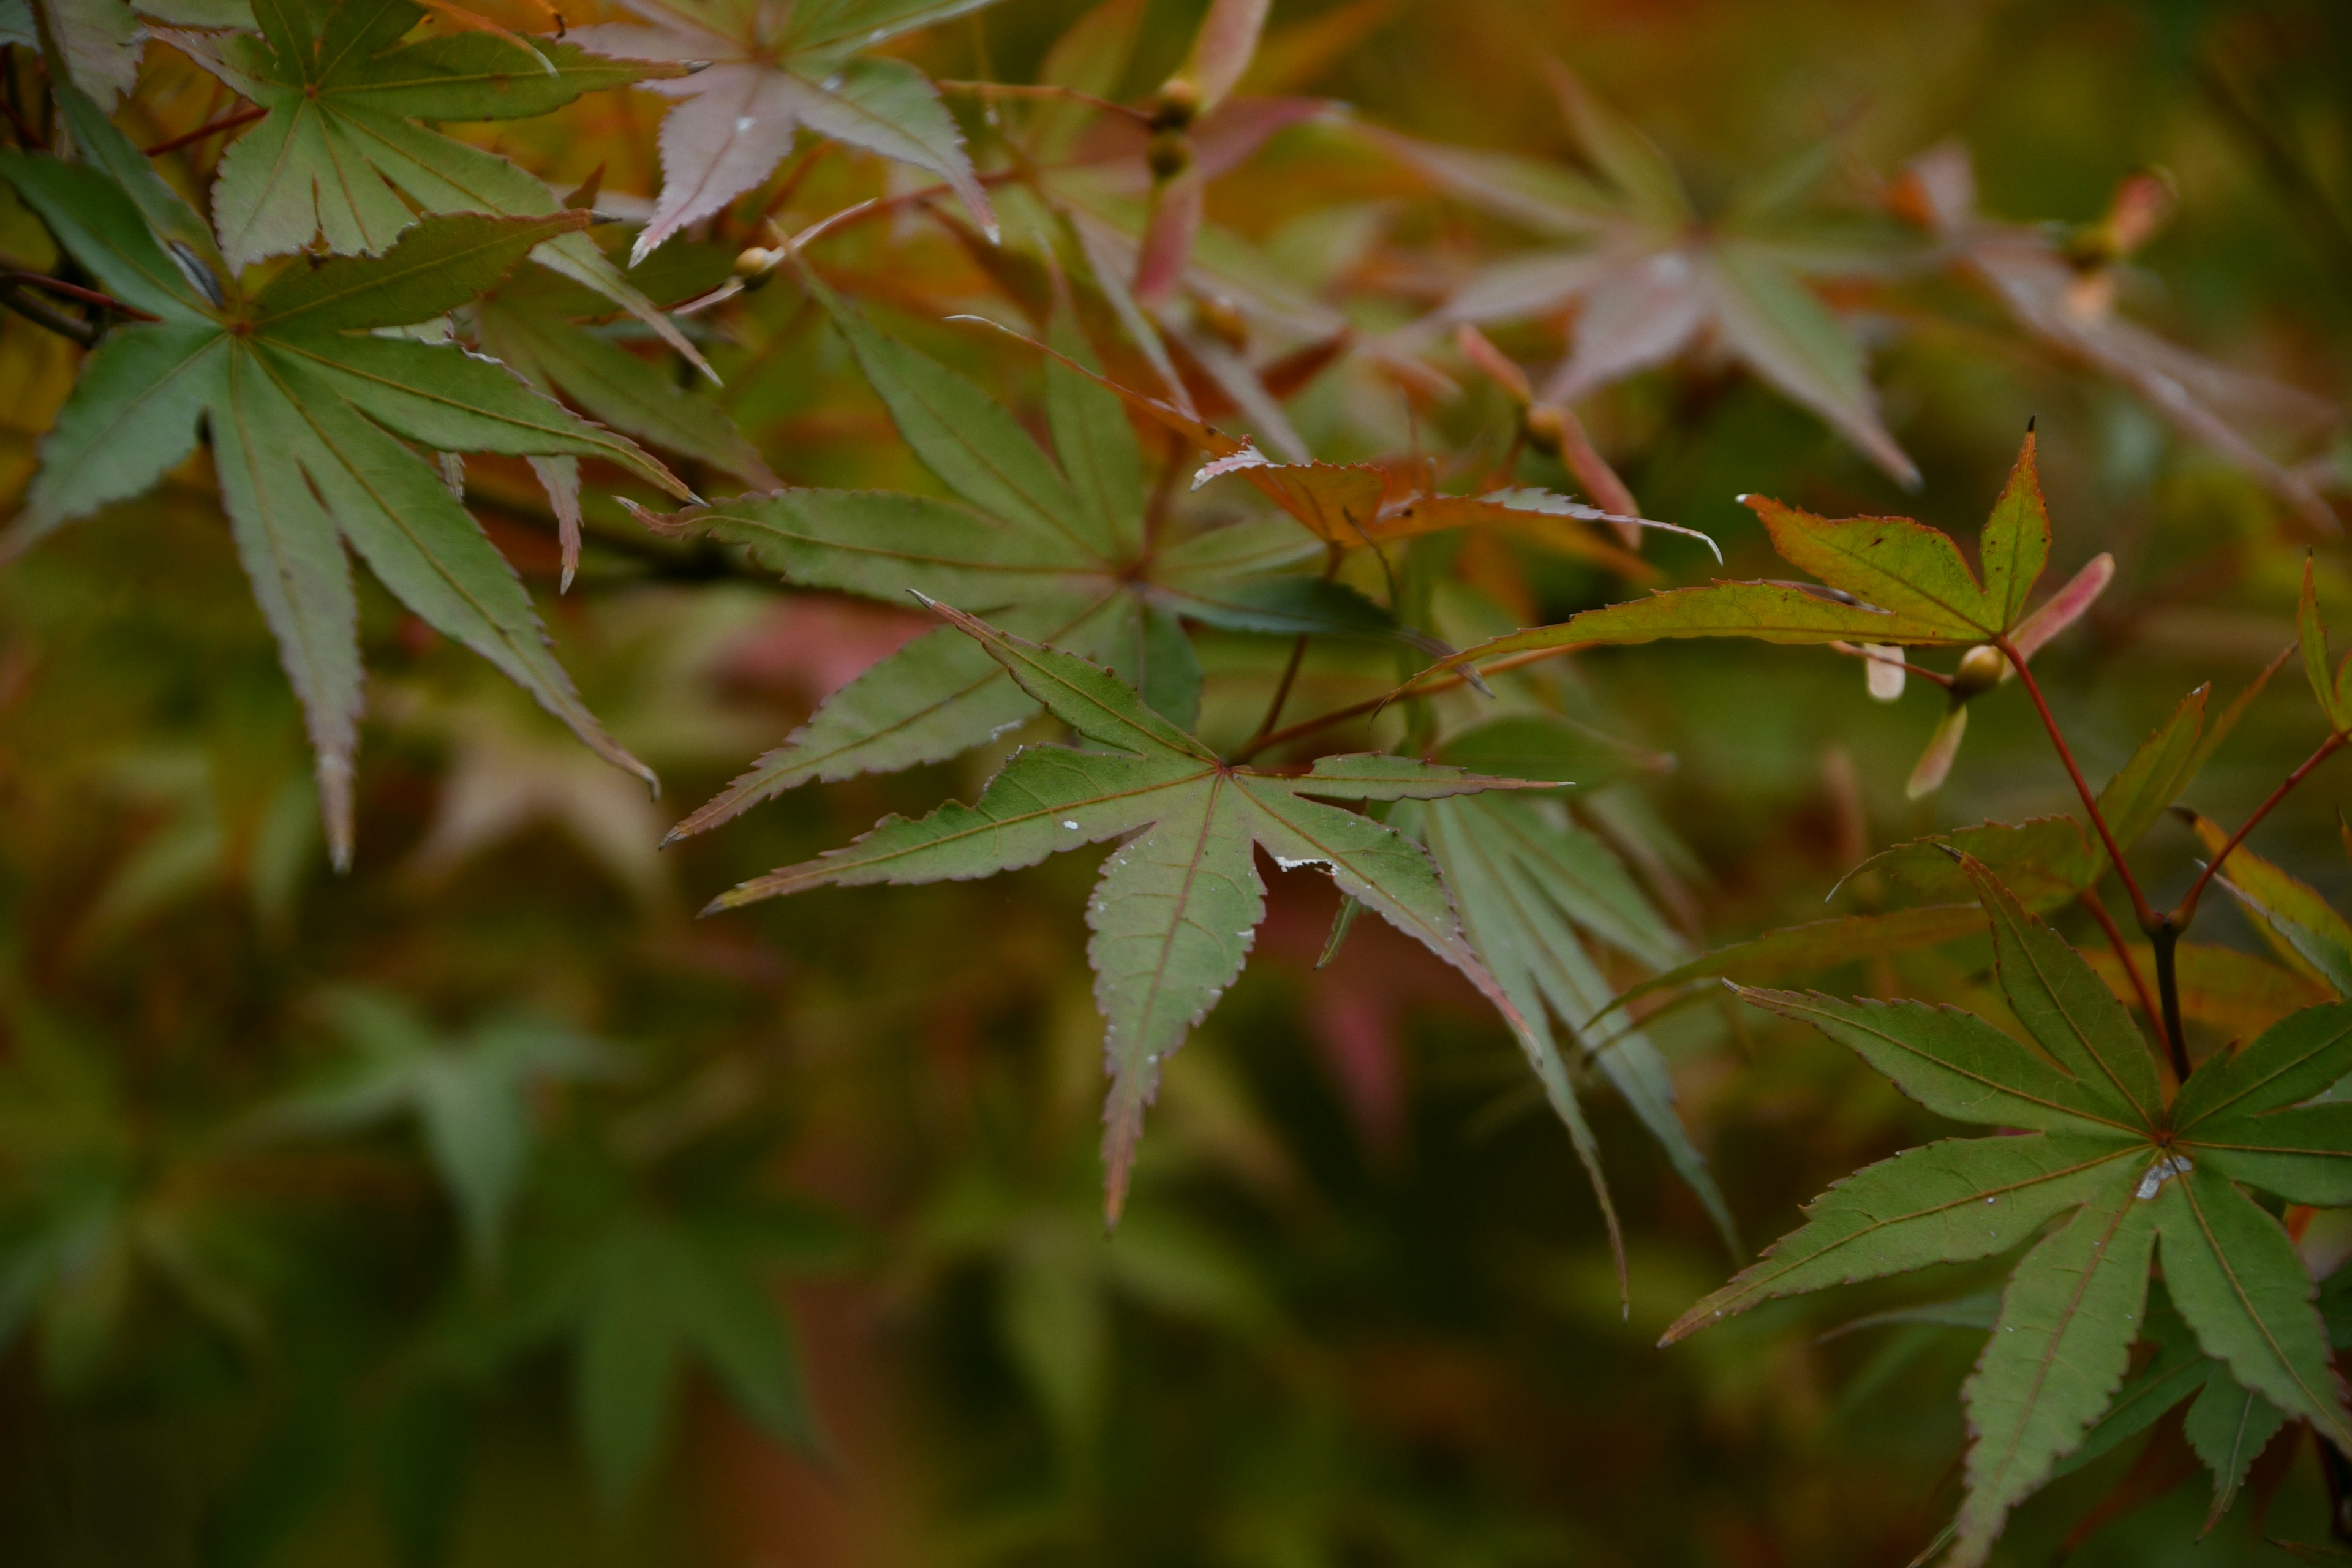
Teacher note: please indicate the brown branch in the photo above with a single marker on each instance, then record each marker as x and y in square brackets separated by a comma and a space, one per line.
[1375, 704]
[75, 292]
[43, 315]
[1854, 651]
[2142, 910]
[2148, 1002]
[1045, 90]
[2187, 909]
[225, 122]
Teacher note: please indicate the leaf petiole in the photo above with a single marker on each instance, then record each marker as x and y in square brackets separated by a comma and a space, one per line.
[2186, 909]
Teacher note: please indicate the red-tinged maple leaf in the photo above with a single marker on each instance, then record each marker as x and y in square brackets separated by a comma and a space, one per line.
[2068, 301]
[1349, 504]
[1650, 278]
[770, 69]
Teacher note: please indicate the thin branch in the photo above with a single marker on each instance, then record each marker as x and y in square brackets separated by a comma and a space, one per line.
[2141, 909]
[45, 315]
[1375, 704]
[2186, 909]
[2166, 940]
[1163, 490]
[1046, 90]
[225, 122]
[9, 105]
[1281, 691]
[59, 286]
[2147, 1003]
[1856, 650]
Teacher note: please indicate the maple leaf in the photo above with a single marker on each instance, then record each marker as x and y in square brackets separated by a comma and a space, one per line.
[1650, 278]
[340, 159]
[307, 409]
[98, 41]
[1168, 276]
[651, 1288]
[767, 70]
[2044, 863]
[2071, 308]
[530, 323]
[1353, 504]
[1057, 552]
[1179, 902]
[1533, 888]
[2301, 927]
[1884, 581]
[2105, 1173]
[470, 1096]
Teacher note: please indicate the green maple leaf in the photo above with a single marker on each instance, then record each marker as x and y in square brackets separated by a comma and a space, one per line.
[531, 323]
[2105, 1173]
[765, 71]
[1055, 551]
[1534, 888]
[1179, 902]
[2302, 927]
[307, 407]
[1886, 583]
[469, 1097]
[340, 159]
[654, 1288]
[2044, 862]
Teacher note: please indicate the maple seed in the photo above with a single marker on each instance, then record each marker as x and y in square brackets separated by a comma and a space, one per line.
[1546, 428]
[1223, 319]
[1169, 155]
[754, 264]
[1981, 670]
[1178, 103]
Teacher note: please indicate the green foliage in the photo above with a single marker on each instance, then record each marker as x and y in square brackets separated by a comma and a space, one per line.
[330, 1229]
[1177, 906]
[2123, 1170]
[302, 414]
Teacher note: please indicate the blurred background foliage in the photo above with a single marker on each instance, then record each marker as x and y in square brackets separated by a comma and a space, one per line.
[431, 1214]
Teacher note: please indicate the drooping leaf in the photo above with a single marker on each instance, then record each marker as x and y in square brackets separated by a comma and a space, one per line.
[306, 410]
[767, 73]
[2301, 928]
[1533, 889]
[1174, 914]
[2334, 693]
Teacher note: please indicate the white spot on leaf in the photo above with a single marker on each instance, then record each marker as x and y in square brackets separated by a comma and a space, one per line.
[2163, 1170]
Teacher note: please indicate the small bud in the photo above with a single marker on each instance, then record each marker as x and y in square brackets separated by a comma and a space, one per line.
[754, 262]
[1177, 105]
[1222, 320]
[1169, 155]
[1544, 427]
[1981, 670]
